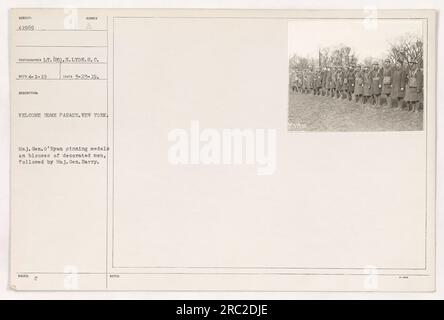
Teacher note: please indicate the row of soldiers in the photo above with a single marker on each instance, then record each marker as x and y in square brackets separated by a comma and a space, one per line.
[400, 84]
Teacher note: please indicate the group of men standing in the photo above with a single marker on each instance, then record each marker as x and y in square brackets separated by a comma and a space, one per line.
[401, 85]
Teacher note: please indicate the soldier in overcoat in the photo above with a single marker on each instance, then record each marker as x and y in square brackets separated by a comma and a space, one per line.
[351, 82]
[399, 78]
[376, 75]
[359, 84]
[310, 77]
[328, 81]
[387, 82]
[293, 78]
[317, 82]
[324, 81]
[339, 82]
[367, 85]
[414, 87]
[333, 81]
[305, 81]
[299, 83]
[344, 92]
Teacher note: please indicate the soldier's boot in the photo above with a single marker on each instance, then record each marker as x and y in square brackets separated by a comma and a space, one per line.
[416, 106]
[401, 103]
[389, 101]
[386, 100]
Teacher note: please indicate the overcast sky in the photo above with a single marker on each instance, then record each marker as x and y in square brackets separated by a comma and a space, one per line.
[307, 36]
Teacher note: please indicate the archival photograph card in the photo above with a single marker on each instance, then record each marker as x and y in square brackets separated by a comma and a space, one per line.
[222, 150]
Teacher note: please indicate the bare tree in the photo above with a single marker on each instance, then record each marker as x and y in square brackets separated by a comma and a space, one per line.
[406, 49]
[298, 63]
[340, 55]
[368, 61]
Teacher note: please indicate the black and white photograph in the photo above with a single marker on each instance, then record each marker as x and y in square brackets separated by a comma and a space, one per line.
[356, 75]
[268, 151]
